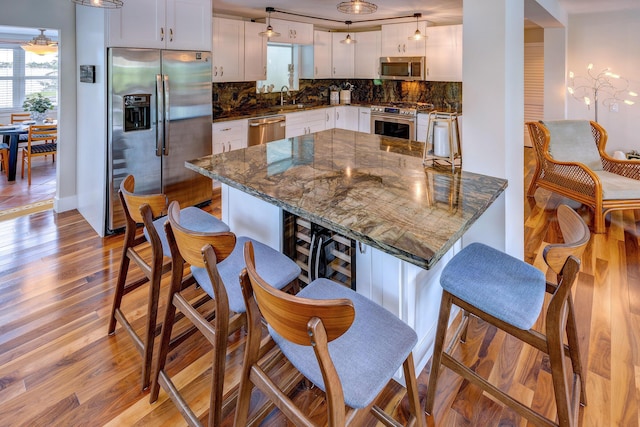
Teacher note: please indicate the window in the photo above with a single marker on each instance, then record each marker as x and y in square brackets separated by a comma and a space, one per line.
[281, 69]
[25, 73]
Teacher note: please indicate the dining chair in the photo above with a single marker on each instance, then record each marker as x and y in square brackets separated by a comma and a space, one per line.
[17, 118]
[509, 294]
[342, 342]
[37, 145]
[216, 261]
[4, 157]
[148, 248]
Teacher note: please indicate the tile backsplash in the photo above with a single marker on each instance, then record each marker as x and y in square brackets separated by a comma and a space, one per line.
[237, 98]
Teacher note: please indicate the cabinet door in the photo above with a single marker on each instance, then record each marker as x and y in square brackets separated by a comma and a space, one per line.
[228, 50]
[330, 118]
[317, 59]
[367, 55]
[139, 23]
[188, 24]
[347, 118]
[228, 136]
[296, 124]
[444, 53]
[301, 33]
[364, 119]
[255, 52]
[342, 57]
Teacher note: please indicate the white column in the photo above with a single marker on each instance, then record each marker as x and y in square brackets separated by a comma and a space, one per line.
[493, 109]
[555, 73]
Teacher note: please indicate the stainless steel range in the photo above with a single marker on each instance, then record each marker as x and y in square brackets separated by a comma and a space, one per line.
[397, 119]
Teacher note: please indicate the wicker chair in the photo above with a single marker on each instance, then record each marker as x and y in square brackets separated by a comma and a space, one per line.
[571, 161]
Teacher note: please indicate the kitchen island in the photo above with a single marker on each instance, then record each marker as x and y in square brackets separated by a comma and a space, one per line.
[408, 220]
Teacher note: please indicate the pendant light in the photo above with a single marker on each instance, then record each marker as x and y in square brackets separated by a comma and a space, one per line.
[417, 35]
[269, 31]
[104, 4]
[41, 44]
[348, 39]
[357, 7]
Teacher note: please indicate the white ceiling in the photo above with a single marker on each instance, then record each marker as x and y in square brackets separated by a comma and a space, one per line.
[435, 12]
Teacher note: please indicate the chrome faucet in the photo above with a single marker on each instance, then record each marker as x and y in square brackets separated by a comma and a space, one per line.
[282, 92]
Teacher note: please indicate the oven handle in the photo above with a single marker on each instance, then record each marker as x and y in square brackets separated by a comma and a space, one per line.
[393, 117]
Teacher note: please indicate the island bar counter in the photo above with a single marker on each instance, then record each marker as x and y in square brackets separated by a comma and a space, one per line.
[408, 220]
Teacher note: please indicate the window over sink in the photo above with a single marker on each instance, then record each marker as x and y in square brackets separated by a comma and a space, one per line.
[282, 60]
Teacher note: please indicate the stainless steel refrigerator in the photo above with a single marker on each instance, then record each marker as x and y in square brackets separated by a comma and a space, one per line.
[159, 116]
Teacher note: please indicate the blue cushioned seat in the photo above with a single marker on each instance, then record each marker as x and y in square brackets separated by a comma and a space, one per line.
[366, 356]
[273, 266]
[192, 218]
[496, 283]
[44, 148]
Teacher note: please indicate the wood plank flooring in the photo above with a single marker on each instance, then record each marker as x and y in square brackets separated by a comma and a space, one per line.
[59, 367]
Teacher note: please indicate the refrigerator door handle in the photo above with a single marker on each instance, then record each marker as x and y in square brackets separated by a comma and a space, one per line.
[160, 115]
[167, 118]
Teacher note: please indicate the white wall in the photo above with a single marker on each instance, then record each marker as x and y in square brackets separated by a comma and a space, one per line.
[59, 15]
[608, 40]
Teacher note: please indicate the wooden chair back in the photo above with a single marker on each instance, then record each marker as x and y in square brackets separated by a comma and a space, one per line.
[576, 235]
[191, 243]
[43, 133]
[132, 203]
[19, 117]
[291, 316]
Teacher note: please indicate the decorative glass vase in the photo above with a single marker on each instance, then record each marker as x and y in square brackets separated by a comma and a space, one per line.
[38, 117]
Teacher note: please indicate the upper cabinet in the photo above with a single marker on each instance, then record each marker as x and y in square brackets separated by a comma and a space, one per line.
[228, 50]
[292, 32]
[367, 55]
[444, 53]
[395, 40]
[315, 60]
[255, 52]
[161, 24]
[342, 57]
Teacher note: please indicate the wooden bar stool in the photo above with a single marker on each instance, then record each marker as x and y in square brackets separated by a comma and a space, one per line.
[148, 210]
[216, 261]
[509, 294]
[342, 342]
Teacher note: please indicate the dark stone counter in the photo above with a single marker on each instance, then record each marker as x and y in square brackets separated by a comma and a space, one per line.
[367, 187]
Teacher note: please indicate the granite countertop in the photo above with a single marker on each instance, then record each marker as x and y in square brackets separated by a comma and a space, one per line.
[370, 188]
[273, 110]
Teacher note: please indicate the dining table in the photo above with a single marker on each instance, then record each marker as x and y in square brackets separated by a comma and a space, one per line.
[13, 132]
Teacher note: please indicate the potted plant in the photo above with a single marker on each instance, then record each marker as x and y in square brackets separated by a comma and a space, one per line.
[37, 104]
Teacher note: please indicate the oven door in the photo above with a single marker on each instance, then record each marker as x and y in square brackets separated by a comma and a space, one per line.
[393, 125]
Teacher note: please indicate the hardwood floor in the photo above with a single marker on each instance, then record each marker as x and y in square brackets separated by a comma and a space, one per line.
[19, 192]
[59, 367]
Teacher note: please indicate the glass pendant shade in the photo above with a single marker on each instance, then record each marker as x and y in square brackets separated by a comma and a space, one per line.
[41, 44]
[269, 32]
[417, 35]
[348, 39]
[357, 7]
[105, 4]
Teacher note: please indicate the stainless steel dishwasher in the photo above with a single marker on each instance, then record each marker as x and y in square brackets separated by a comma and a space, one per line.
[266, 129]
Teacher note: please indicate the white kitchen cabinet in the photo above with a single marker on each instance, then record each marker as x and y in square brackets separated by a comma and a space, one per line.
[364, 119]
[305, 122]
[316, 59]
[161, 24]
[367, 55]
[229, 136]
[347, 117]
[395, 39]
[330, 117]
[255, 52]
[292, 32]
[228, 50]
[444, 53]
[342, 57]
[421, 127]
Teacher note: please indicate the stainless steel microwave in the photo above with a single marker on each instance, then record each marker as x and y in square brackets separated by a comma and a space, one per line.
[402, 67]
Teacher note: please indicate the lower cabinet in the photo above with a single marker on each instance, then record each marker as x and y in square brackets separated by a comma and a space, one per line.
[347, 117]
[305, 122]
[227, 136]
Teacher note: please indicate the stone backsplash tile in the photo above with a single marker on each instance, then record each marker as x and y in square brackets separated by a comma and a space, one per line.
[240, 98]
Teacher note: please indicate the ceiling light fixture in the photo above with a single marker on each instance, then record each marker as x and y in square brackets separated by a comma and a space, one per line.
[104, 4]
[357, 7]
[41, 44]
[348, 39]
[269, 31]
[417, 35]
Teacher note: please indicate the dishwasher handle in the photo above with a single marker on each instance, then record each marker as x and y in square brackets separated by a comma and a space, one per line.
[267, 121]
